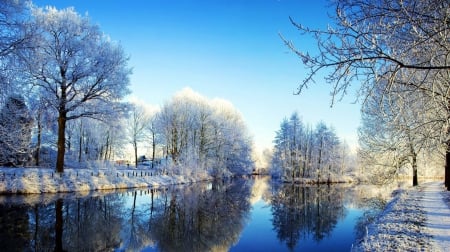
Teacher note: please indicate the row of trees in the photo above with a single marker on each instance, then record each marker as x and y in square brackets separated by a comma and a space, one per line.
[303, 152]
[397, 53]
[197, 133]
[62, 84]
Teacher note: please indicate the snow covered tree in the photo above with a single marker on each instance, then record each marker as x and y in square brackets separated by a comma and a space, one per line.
[153, 136]
[395, 130]
[301, 152]
[15, 132]
[44, 120]
[230, 140]
[13, 32]
[289, 146]
[15, 36]
[78, 70]
[373, 40]
[327, 145]
[207, 135]
[137, 129]
[281, 150]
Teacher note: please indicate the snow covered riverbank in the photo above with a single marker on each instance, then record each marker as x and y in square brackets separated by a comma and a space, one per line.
[41, 180]
[416, 219]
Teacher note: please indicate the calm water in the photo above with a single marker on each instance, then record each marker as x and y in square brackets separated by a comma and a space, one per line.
[238, 215]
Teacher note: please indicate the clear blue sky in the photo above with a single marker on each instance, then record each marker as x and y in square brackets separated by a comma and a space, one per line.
[226, 49]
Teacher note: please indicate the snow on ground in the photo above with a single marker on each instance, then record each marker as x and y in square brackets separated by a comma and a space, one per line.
[435, 203]
[41, 180]
[416, 219]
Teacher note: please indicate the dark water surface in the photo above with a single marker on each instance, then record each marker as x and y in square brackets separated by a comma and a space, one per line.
[236, 215]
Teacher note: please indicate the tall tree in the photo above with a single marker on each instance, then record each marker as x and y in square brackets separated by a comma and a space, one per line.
[137, 128]
[404, 42]
[397, 128]
[77, 69]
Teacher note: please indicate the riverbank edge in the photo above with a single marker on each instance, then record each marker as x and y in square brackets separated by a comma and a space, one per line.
[314, 181]
[41, 180]
[400, 226]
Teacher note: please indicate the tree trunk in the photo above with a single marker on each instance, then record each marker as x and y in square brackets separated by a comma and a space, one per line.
[447, 167]
[106, 147]
[320, 160]
[135, 154]
[80, 143]
[39, 137]
[414, 166]
[153, 149]
[61, 142]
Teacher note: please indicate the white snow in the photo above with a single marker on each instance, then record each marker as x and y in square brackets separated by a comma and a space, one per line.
[437, 214]
[416, 219]
[41, 180]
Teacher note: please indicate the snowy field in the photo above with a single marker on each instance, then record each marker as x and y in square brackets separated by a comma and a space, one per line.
[416, 219]
[41, 180]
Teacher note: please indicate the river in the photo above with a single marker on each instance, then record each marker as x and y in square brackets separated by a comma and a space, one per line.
[232, 215]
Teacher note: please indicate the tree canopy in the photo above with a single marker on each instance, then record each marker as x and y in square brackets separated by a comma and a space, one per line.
[388, 49]
[76, 69]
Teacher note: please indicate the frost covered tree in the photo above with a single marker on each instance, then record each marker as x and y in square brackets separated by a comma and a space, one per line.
[153, 136]
[289, 147]
[404, 42]
[138, 121]
[15, 36]
[231, 140]
[15, 132]
[302, 152]
[327, 147]
[210, 136]
[93, 139]
[395, 130]
[78, 70]
[44, 120]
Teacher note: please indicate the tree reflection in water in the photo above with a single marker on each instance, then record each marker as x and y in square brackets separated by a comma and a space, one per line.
[301, 211]
[202, 217]
[208, 216]
[198, 217]
[89, 224]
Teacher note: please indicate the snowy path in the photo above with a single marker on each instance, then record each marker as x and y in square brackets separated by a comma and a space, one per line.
[416, 219]
[437, 215]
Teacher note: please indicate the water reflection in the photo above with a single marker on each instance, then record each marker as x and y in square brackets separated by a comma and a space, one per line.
[14, 228]
[199, 217]
[89, 224]
[216, 216]
[204, 220]
[300, 212]
[371, 199]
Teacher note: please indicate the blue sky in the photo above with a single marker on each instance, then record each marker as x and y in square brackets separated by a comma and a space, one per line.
[226, 49]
